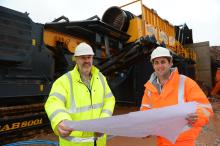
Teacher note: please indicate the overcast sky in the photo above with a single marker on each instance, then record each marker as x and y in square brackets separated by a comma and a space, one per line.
[202, 16]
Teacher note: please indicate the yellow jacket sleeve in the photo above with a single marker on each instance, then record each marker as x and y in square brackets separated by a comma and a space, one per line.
[55, 104]
[109, 101]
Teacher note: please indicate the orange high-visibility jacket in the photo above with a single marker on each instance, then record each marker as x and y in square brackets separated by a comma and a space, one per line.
[177, 90]
[216, 88]
[217, 75]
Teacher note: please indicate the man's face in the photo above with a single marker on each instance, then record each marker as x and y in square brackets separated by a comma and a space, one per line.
[162, 66]
[84, 63]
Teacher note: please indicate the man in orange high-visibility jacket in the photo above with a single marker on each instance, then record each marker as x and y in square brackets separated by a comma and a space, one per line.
[216, 89]
[167, 87]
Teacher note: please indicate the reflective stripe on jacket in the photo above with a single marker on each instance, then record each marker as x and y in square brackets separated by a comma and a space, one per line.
[70, 99]
[177, 90]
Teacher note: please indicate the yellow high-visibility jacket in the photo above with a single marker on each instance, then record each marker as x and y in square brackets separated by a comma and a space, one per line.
[70, 99]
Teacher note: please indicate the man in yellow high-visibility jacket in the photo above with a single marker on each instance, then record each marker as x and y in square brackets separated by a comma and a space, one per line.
[80, 94]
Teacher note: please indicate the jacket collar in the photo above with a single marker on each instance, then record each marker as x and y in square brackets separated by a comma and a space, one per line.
[76, 74]
[153, 76]
[172, 77]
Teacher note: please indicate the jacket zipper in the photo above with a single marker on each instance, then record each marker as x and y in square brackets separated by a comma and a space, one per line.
[90, 93]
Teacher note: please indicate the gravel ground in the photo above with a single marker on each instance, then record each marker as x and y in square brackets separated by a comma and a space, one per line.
[210, 135]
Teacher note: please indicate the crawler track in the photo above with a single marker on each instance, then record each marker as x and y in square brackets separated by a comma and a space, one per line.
[22, 122]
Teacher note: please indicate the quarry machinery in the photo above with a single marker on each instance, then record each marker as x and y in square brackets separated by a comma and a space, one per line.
[33, 55]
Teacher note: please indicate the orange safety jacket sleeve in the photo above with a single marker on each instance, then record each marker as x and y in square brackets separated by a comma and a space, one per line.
[145, 105]
[55, 104]
[194, 93]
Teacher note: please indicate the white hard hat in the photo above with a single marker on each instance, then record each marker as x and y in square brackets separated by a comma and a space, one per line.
[160, 52]
[83, 49]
